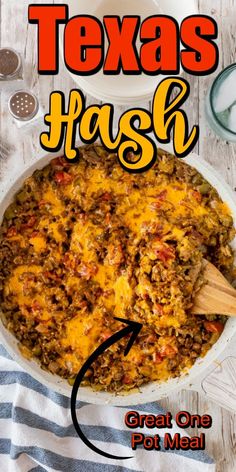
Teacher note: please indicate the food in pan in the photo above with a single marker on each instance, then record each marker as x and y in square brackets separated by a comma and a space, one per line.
[83, 243]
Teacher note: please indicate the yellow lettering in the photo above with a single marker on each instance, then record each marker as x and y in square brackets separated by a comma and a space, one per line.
[57, 118]
[167, 115]
[97, 122]
[137, 141]
[99, 119]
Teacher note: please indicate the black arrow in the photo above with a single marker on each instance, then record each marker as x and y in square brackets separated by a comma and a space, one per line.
[134, 329]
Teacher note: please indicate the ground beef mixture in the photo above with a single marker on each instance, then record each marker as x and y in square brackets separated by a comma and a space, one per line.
[83, 243]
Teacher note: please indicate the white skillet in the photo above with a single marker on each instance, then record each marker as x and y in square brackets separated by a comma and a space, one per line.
[220, 385]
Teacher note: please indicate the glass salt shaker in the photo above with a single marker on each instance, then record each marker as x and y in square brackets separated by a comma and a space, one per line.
[23, 105]
[11, 66]
[24, 108]
[221, 104]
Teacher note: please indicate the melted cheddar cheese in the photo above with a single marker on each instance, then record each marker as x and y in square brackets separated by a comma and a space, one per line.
[98, 243]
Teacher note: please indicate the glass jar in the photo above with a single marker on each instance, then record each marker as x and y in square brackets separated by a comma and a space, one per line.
[221, 104]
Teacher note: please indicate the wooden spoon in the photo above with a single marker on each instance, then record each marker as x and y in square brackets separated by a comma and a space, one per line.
[216, 296]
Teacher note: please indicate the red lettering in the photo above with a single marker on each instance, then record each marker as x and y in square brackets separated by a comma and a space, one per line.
[171, 443]
[84, 45]
[137, 438]
[48, 18]
[122, 53]
[201, 54]
[183, 419]
[206, 421]
[131, 419]
[162, 52]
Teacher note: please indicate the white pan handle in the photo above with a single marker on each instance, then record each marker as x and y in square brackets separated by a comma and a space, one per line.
[219, 381]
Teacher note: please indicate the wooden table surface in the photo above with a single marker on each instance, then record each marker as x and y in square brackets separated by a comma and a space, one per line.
[17, 33]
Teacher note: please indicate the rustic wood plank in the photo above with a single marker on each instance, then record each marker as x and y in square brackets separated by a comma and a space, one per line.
[221, 442]
[23, 37]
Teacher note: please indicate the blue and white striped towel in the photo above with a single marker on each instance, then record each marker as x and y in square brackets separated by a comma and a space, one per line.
[37, 434]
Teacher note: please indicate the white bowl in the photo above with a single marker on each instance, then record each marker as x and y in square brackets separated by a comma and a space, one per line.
[152, 391]
[125, 89]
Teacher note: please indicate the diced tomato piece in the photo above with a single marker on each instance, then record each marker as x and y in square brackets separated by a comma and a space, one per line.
[214, 326]
[158, 309]
[156, 205]
[36, 306]
[11, 232]
[127, 380]
[164, 252]
[160, 198]
[34, 234]
[42, 203]
[63, 178]
[168, 351]
[162, 195]
[197, 195]
[30, 223]
[106, 197]
[107, 219]
[157, 358]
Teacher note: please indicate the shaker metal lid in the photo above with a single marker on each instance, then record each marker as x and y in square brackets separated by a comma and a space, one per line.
[23, 105]
[10, 63]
